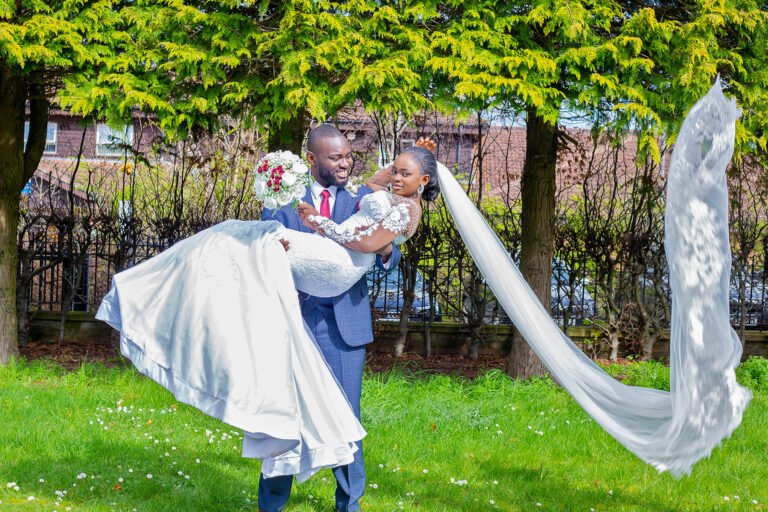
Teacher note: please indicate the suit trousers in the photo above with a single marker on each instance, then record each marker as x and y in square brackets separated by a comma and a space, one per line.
[346, 364]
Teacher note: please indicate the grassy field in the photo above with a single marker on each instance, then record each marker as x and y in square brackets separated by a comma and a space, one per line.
[101, 439]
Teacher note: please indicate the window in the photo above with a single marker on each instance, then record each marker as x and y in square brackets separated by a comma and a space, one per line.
[50, 137]
[406, 143]
[111, 142]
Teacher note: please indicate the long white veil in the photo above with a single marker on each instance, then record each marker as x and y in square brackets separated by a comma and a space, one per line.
[669, 430]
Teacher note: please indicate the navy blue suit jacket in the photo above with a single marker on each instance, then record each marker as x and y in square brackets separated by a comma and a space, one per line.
[352, 308]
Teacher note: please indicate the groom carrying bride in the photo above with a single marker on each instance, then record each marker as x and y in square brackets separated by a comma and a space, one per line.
[341, 325]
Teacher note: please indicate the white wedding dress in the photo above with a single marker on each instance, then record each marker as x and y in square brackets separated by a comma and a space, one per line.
[215, 319]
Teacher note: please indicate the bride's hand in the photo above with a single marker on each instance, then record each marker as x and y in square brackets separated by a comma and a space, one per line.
[426, 142]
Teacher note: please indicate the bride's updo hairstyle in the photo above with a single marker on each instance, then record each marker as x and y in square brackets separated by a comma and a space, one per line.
[428, 165]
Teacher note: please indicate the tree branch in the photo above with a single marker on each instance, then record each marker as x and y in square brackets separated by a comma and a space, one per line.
[38, 128]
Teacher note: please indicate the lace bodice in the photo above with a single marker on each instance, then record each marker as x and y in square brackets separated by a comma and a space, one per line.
[400, 215]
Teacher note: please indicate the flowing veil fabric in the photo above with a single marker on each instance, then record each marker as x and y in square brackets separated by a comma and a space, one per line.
[669, 430]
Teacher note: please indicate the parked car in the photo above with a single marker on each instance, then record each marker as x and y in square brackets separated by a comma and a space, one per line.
[755, 295]
[584, 302]
[583, 307]
[387, 288]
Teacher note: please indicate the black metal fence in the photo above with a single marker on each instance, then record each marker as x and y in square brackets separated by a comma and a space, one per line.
[49, 273]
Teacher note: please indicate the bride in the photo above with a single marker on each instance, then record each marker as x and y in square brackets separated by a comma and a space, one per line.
[215, 319]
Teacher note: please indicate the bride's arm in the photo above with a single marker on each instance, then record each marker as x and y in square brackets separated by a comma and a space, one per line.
[366, 239]
[380, 178]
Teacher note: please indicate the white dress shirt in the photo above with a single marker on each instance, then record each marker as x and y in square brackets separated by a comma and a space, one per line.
[316, 188]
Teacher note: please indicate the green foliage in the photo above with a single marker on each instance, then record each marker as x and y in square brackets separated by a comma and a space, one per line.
[753, 373]
[259, 62]
[57, 36]
[651, 374]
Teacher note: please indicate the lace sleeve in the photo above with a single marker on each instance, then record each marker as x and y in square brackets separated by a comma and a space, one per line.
[380, 178]
[401, 218]
[334, 231]
[406, 217]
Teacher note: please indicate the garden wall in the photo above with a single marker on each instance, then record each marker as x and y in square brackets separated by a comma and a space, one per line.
[83, 328]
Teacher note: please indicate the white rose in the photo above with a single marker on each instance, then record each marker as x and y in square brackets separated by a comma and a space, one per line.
[284, 197]
[288, 179]
[271, 203]
[259, 186]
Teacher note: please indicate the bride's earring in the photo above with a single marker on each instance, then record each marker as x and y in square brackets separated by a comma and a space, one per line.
[421, 189]
[389, 187]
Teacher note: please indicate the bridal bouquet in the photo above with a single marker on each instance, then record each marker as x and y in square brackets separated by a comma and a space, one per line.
[281, 179]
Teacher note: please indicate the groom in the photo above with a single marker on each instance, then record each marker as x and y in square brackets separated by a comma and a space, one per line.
[341, 325]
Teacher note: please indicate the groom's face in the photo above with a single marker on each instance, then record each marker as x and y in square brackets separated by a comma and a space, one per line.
[331, 161]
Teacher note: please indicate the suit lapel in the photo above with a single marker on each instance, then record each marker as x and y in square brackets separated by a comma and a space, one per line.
[308, 196]
[307, 199]
[340, 206]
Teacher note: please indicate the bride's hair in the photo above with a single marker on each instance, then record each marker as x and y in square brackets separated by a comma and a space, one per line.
[428, 165]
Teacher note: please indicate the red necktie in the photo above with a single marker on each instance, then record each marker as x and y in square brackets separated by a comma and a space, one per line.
[325, 204]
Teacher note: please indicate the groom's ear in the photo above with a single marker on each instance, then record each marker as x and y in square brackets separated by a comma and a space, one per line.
[311, 158]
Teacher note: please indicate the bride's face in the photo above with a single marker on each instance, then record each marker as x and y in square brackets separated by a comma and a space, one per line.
[406, 176]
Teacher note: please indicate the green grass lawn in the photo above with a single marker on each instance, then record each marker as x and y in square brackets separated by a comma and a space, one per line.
[102, 439]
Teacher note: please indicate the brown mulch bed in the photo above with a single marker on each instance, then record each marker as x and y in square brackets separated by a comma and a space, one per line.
[439, 363]
[71, 355]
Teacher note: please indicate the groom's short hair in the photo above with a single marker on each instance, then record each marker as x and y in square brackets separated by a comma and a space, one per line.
[322, 132]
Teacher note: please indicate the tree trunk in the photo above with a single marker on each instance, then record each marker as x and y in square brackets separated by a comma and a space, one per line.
[742, 307]
[613, 342]
[408, 271]
[11, 183]
[537, 192]
[9, 326]
[288, 135]
[22, 299]
[478, 303]
[402, 334]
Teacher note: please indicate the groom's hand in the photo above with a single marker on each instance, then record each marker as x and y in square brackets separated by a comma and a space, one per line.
[286, 244]
[385, 253]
